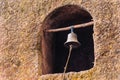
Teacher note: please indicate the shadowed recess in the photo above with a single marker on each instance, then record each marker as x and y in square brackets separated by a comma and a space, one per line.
[54, 54]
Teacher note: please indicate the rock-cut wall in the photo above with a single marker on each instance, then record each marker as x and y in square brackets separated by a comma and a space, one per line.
[20, 39]
[106, 19]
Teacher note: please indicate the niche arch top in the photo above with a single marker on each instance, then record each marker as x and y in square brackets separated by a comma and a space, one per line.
[65, 14]
[54, 54]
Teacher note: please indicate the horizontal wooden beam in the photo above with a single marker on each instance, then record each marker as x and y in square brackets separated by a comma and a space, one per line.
[68, 28]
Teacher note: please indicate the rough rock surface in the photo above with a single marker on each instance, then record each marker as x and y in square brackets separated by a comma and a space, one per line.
[20, 38]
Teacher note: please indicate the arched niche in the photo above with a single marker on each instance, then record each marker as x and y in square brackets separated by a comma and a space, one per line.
[54, 54]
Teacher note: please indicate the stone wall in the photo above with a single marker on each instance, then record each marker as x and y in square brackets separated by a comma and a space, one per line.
[20, 39]
[106, 40]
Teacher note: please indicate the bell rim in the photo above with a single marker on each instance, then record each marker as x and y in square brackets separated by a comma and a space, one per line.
[74, 44]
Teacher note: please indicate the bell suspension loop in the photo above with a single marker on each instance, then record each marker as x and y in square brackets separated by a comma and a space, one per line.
[71, 29]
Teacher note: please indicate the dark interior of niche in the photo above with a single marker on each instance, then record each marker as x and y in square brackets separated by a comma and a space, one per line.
[82, 58]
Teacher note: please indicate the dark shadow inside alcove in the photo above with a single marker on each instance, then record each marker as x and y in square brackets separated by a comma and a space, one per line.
[54, 54]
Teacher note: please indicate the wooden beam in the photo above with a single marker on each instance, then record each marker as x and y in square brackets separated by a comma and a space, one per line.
[68, 28]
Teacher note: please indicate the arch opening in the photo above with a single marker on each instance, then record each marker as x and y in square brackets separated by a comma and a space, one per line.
[54, 54]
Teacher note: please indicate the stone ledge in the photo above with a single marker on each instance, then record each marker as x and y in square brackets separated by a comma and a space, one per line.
[83, 75]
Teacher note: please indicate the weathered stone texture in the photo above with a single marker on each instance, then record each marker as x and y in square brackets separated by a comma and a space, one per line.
[20, 50]
[106, 15]
[19, 40]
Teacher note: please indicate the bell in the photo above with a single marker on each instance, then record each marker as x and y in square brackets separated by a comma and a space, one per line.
[72, 40]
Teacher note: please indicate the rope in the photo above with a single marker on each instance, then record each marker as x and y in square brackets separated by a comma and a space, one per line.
[66, 65]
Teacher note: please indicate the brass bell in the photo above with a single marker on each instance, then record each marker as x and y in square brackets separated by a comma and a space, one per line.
[72, 40]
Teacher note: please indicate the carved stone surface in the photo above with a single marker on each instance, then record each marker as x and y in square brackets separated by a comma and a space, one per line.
[20, 39]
